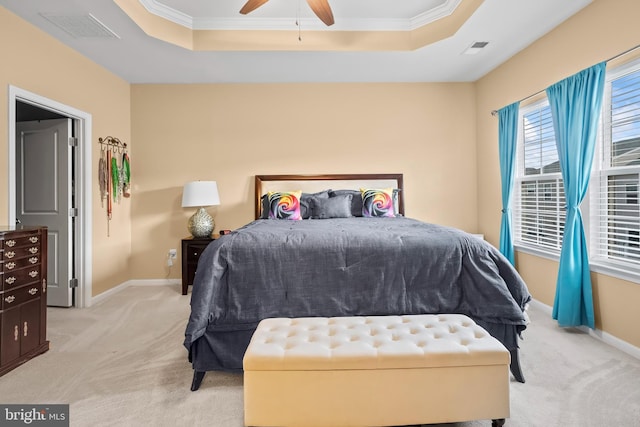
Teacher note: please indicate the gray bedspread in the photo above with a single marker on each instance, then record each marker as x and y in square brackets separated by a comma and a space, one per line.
[345, 267]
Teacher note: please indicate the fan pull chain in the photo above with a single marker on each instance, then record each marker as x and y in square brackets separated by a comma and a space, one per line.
[299, 22]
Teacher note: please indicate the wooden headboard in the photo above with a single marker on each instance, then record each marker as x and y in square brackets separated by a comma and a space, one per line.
[315, 183]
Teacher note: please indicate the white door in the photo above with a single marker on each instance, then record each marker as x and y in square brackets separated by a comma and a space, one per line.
[44, 196]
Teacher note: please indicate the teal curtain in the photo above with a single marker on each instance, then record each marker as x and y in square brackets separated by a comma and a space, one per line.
[507, 137]
[575, 107]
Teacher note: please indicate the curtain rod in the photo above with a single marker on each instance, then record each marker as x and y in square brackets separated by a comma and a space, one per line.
[495, 112]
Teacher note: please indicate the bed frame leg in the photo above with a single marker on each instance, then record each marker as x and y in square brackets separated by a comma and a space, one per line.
[497, 423]
[515, 366]
[197, 379]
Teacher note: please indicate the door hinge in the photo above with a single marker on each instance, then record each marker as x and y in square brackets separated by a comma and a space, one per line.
[73, 283]
[73, 212]
[73, 141]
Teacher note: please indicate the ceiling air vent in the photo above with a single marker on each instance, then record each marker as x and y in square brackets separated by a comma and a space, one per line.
[475, 48]
[81, 26]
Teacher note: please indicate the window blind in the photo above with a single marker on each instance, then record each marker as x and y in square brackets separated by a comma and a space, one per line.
[539, 205]
[616, 211]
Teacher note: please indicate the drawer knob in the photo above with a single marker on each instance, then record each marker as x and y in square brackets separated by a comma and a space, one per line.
[33, 250]
[9, 254]
[33, 273]
[26, 329]
[33, 239]
[10, 265]
[33, 259]
[10, 280]
[16, 333]
[44, 286]
[10, 243]
[33, 291]
[10, 299]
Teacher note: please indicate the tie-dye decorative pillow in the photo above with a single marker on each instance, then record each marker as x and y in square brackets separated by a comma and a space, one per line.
[377, 202]
[284, 205]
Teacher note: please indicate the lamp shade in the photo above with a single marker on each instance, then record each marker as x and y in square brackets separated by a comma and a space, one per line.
[200, 193]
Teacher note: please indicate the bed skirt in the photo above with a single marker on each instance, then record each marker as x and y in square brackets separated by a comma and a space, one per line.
[223, 350]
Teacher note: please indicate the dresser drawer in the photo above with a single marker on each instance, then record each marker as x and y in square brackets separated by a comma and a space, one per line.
[12, 254]
[9, 266]
[20, 277]
[11, 243]
[18, 296]
[194, 250]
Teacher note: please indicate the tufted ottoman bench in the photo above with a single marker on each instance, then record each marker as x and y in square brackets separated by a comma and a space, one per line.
[374, 371]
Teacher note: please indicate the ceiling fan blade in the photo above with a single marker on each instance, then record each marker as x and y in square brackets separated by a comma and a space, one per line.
[252, 5]
[322, 9]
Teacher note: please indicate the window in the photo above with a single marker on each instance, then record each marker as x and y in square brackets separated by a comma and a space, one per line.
[615, 232]
[539, 205]
[612, 223]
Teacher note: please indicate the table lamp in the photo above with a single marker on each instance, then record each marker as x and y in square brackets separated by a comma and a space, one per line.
[200, 194]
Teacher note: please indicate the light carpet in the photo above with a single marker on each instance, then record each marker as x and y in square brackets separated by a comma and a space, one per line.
[122, 363]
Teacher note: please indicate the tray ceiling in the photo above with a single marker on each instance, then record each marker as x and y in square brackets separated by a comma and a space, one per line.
[208, 41]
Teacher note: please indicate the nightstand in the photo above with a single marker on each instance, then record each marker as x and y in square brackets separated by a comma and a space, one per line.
[192, 248]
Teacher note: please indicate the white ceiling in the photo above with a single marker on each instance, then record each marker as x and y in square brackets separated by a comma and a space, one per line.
[508, 25]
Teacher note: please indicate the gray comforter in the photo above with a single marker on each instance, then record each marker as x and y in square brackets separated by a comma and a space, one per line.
[344, 267]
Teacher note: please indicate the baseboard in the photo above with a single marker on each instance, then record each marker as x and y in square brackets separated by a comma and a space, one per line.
[605, 337]
[542, 307]
[148, 282]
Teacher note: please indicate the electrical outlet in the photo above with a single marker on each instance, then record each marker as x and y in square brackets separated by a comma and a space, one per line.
[173, 253]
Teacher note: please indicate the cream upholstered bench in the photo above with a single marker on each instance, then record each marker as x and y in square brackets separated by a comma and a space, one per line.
[374, 371]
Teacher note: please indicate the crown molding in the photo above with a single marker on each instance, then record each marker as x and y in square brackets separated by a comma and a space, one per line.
[168, 13]
[434, 14]
[157, 8]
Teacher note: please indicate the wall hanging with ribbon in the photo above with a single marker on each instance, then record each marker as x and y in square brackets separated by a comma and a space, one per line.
[114, 173]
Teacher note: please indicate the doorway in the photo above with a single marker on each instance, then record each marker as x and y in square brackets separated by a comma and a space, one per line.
[25, 107]
[45, 196]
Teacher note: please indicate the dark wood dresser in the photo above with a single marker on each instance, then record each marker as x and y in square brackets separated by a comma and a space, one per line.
[23, 298]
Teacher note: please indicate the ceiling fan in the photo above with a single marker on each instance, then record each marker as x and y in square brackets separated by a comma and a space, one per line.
[320, 7]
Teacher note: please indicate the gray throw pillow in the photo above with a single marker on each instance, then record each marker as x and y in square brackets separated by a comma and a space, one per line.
[333, 207]
[356, 200]
[307, 202]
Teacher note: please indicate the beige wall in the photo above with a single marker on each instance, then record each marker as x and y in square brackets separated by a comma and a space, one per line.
[34, 61]
[599, 32]
[229, 133]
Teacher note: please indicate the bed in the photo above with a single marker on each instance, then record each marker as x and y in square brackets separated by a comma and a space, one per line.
[354, 253]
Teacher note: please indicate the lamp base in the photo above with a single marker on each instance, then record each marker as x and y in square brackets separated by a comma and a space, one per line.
[201, 224]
